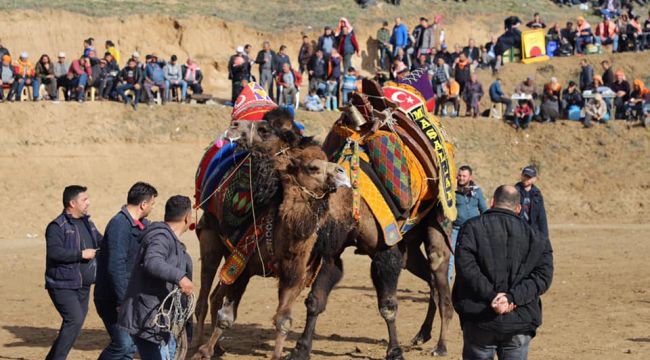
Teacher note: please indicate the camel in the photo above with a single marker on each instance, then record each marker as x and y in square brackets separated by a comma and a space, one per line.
[338, 232]
[307, 180]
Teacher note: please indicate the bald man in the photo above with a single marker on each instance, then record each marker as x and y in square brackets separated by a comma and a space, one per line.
[503, 266]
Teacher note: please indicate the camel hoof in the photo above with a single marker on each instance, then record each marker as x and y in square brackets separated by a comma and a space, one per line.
[204, 353]
[298, 353]
[439, 351]
[420, 339]
[395, 354]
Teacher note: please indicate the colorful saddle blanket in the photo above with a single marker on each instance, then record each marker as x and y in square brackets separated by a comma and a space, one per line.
[386, 153]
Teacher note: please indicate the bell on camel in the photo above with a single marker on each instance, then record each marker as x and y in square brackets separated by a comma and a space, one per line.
[356, 119]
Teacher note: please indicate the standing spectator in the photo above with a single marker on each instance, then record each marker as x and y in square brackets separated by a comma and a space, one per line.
[110, 47]
[174, 78]
[89, 45]
[130, 78]
[7, 77]
[115, 262]
[327, 42]
[444, 54]
[503, 266]
[248, 48]
[532, 201]
[424, 37]
[79, 75]
[472, 52]
[265, 60]
[571, 97]
[490, 48]
[586, 75]
[550, 109]
[164, 265]
[317, 70]
[305, 54]
[348, 46]
[462, 71]
[536, 23]
[608, 73]
[45, 75]
[456, 54]
[71, 240]
[61, 67]
[498, 96]
[349, 84]
[523, 114]
[333, 81]
[280, 59]
[383, 44]
[155, 76]
[400, 36]
[25, 75]
[645, 34]
[470, 203]
[238, 73]
[441, 74]
[584, 35]
[621, 87]
[193, 76]
[607, 33]
[472, 94]
[595, 110]
[289, 80]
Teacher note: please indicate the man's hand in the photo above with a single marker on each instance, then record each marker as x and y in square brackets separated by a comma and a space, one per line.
[186, 285]
[137, 86]
[500, 304]
[88, 254]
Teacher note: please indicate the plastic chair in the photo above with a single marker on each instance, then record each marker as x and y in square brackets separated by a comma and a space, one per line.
[155, 91]
[296, 100]
[90, 93]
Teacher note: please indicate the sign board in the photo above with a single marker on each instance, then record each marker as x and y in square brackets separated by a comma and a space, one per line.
[533, 46]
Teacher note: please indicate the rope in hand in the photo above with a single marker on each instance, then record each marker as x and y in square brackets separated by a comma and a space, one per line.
[172, 316]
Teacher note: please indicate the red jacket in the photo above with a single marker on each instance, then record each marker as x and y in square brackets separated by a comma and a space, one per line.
[296, 75]
[341, 46]
[76, 69]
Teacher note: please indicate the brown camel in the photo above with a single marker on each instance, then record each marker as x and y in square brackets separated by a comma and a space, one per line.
[340, 231]
[307, 180]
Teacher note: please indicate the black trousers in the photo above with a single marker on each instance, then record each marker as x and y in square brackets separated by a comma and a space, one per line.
[72, 305]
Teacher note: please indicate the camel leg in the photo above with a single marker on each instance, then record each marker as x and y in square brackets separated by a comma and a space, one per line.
[231, 296]
[385, 269]
[330, 274]
[438, 254]
[417, 264]
[211, 252]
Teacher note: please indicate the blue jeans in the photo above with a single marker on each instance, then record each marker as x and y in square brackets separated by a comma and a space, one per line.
[523, 122]
[581, 42]
[79, 82]
[607, 41]
[121, 90]
[346, 92]
[383, 57]
[479, 344]
[20, 84]
[121, 345]
[181, 83]
[152, 351]
[454, 236]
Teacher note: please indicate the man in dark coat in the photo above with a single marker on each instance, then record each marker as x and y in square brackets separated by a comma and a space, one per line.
[532, 201]
[503, 266]
[72, 240]
[586, 75]
[162, 264]
[115, 262]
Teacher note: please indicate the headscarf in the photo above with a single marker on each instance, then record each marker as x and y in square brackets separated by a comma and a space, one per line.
[345, 22]
[192, 67]
[6, 59]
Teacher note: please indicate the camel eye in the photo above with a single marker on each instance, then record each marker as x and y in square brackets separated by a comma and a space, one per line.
[313, 168]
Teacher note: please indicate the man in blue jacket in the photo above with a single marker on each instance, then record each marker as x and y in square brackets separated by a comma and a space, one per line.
[72, 240]
[470, 203]
[499, 97]
[115, 262]
[400, 36]
[532, 201]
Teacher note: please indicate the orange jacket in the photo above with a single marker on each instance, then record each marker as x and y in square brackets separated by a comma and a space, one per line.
[612, 29]
[24, 69]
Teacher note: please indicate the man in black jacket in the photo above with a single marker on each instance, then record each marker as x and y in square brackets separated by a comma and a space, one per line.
[115, 262]
[72, 240]
[265, 60]
[130, 78]
[503, 266]
[162, 264]
[532, 201]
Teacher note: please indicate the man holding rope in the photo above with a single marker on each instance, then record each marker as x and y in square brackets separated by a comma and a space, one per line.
[162, 268]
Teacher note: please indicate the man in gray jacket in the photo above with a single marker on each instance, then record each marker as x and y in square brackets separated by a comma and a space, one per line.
[174, 78]
[162, 264]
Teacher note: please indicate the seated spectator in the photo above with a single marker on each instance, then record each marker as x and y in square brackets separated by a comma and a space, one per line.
[45, 75]
[130, 78]
[313, 102]
[472, 52]
[456, 54]
[584, 36]
[498, 96]
[193, 76]
[397, 69]
[472, 94]
[421, 63]
[511, 39]
[586, 75]
[595, 110]
[333, 81]
[79, 75]
[554, 34]
[25, 75]
[289, 80]
[110, 48]
[645, 34]
[571, 97]
[568, 37]
[155, 76]
[608, 73]
[350, 83]
[621, 87]
[100, 78]
[607, 33]
[630, 30]
[550, 109]
[638, 97]
[527, 87]
[610, 8]
[3, 50]
[61, 67]
[7, 78]
[317, 70]
[451, 95]
[485, 61]
[107, 83]
[490, 47]
[536, 23]
[174, 78]
[523, 114]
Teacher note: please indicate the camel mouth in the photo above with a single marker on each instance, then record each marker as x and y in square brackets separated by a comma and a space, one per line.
[341, 179]
[232, 135]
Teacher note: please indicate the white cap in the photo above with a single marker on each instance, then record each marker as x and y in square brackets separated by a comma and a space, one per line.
[24, 55]
[240, 49]
[61, 54]
[135, 54]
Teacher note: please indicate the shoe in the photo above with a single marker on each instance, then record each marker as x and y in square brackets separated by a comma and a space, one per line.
[80, 101]
[135, 106]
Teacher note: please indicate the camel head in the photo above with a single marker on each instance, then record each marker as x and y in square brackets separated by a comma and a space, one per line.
[275, 132]
[309, 169]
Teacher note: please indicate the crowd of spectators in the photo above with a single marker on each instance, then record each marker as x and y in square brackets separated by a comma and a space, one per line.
[101, 77]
